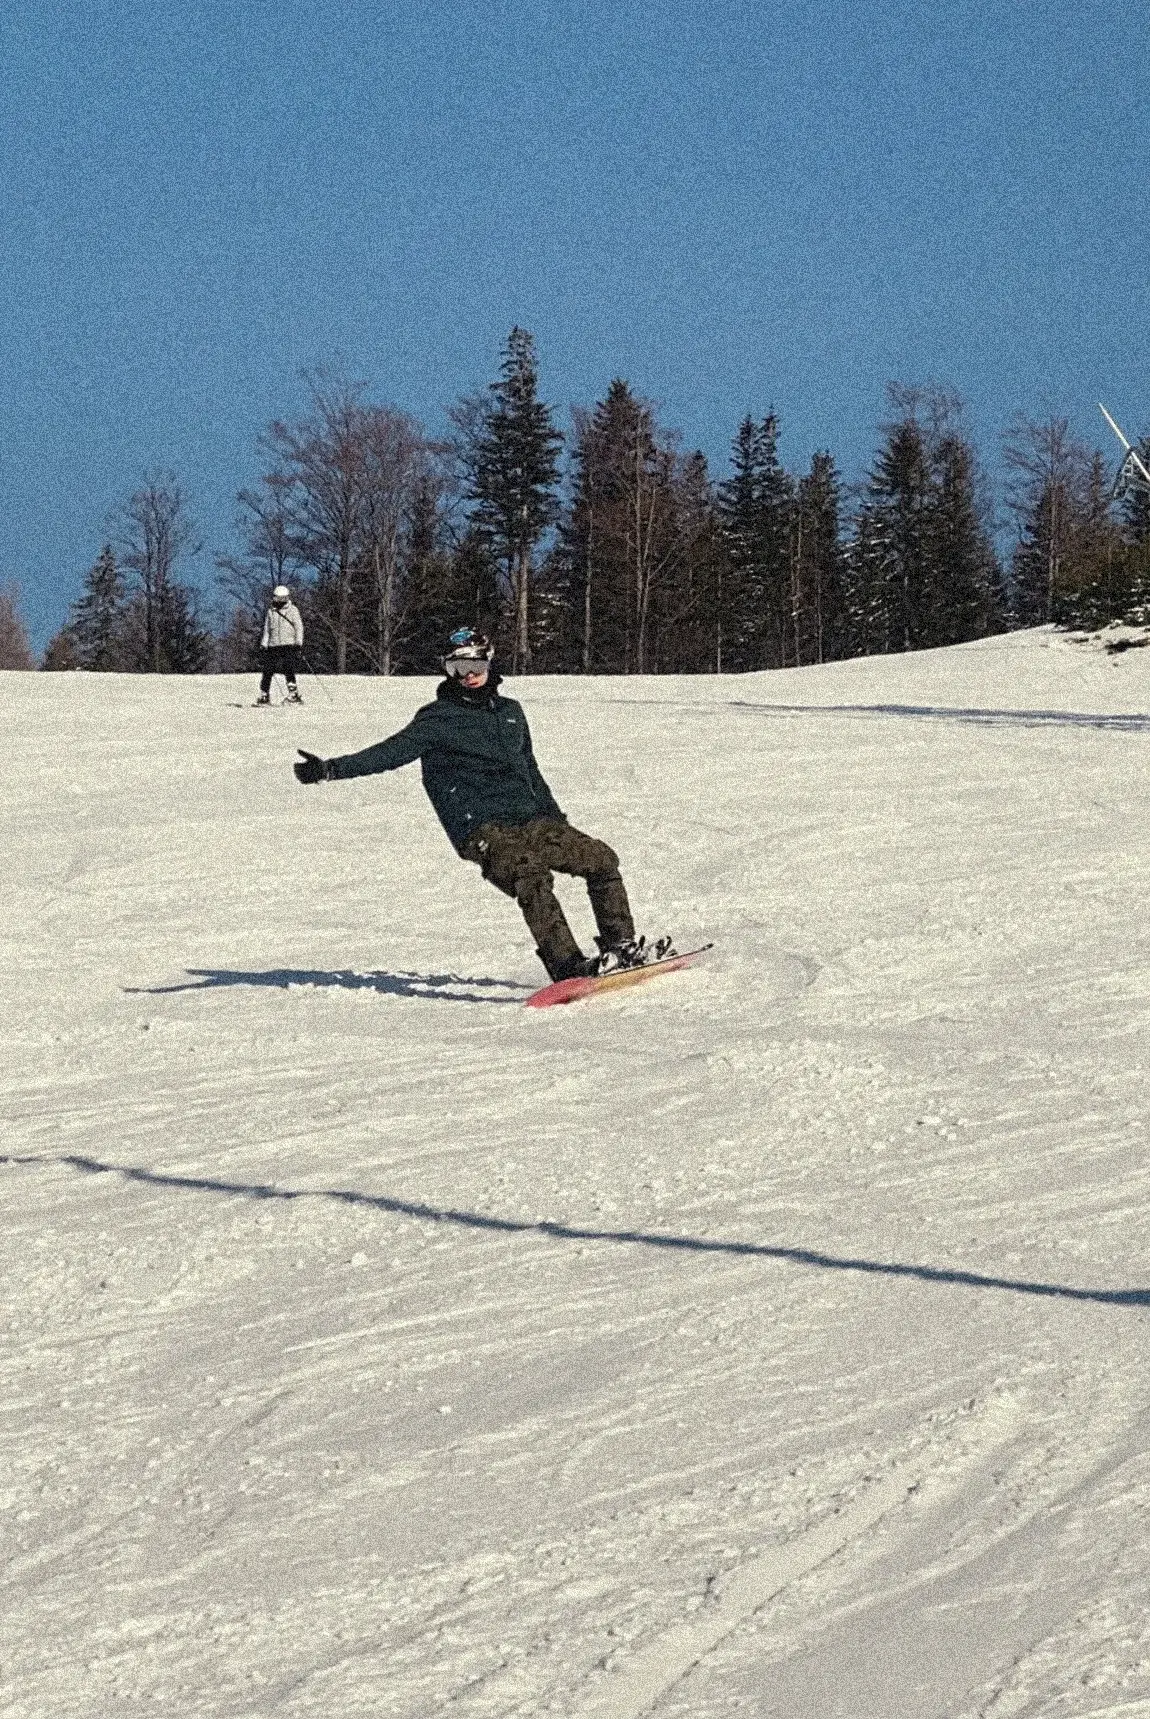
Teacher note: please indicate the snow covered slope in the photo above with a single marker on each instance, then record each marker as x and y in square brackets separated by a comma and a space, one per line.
[767, 1340]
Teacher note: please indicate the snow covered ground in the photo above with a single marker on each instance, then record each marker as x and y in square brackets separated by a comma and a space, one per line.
[769, 1340]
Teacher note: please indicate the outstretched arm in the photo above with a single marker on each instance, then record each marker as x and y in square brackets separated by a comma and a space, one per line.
[392, 754]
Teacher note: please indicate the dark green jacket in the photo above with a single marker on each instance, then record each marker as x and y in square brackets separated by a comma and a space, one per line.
[475, 752]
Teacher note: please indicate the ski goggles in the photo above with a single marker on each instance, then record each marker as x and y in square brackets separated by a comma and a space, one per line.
[463, 666]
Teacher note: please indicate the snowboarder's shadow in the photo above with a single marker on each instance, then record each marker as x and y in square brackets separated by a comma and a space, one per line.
[427, 987]
[664, 1241]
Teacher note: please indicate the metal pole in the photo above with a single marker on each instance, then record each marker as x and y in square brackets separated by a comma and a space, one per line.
[316, 677]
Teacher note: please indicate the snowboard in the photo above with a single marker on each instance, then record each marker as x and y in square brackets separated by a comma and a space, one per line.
[572, 990]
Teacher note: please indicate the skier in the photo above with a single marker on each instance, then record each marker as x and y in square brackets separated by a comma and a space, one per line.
[481, 777]
[280, 645]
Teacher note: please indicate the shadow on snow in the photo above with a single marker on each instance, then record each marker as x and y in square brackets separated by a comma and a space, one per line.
[1129, 724]
[430, 987]
[580, 1233]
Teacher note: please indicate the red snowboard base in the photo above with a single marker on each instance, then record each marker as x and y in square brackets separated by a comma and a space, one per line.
[571, 990]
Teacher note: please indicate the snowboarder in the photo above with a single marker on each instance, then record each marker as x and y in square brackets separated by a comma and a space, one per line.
[481, 777]
[281, 645]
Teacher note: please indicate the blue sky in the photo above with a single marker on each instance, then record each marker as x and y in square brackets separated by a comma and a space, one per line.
[732, 205]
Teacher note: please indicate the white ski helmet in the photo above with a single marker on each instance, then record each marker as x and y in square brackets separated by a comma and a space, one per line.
[281, 594]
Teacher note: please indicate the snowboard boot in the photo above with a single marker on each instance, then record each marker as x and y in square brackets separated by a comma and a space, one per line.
[573, 967]
[264, 698]
[293, 696]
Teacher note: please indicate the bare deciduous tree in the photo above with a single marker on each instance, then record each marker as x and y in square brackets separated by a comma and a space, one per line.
[1047, 494]
[395, 464]
[339, 501]
[319, 469]
[247, 580]
[154, 531]
[15, 651]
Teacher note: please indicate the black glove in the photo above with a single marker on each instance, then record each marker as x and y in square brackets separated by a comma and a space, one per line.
[312, 769]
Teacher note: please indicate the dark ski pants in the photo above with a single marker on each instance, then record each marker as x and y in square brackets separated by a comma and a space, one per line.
[278, 659]
[520, 859]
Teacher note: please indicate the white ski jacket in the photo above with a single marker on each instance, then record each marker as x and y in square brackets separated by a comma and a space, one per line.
[282, 627]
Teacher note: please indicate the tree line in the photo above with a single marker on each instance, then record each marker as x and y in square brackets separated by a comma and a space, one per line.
[608, 548]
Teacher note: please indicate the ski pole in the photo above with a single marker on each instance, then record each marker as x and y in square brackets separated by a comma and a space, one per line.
[316, 677]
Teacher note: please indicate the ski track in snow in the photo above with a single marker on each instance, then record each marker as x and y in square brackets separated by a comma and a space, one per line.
[768, 1340]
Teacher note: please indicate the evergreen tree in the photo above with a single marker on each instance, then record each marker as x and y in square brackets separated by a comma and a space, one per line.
[186, 643]
[514, 470]
[921, 570]
[597, 530]
[817, 558]
[899, 490]
[689, 595]
[629, 535]
[445, 584]
[964, 600]
[1033, 568]
[473, 586]
[554, 616]
[864, 628]
[755, 505]
[96, 623]
[694, 637]
[425, 583]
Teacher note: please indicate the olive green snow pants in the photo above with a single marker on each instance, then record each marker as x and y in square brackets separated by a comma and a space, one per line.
[519, 860]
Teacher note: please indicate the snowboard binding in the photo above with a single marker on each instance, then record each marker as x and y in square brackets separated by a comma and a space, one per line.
[620, 957]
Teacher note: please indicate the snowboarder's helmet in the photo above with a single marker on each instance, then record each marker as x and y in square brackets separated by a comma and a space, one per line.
[281, 594]
[467, 652]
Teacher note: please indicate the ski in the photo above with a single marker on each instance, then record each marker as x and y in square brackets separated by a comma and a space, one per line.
[258, 703]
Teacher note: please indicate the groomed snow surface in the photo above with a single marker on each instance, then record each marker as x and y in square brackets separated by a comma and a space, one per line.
[769, 1340]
